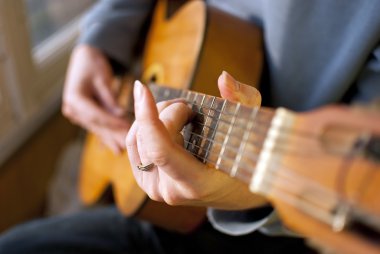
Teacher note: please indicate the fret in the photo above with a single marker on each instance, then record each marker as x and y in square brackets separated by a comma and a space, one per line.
[244, 141]
[219, 130]
[211, 126]
[182, 94]
[188, 94]
[204, 131]
[218, 163]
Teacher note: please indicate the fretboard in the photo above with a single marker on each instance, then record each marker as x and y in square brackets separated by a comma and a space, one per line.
[228, 136]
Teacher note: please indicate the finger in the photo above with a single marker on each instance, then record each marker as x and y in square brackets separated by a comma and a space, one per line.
[154, 139]
[131, 144]
[175, 117]
[235, 91]
[133, 153]
[164, 104]
[92, 114]
[152, 133]
[106, 96]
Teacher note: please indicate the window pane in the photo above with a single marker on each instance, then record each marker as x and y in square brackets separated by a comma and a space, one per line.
[48, 16]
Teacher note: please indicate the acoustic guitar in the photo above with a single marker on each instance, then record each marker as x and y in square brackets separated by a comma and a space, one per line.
[320, 169]
[189, 49]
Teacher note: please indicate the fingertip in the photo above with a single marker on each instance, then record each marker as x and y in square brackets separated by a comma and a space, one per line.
[229, 82]
[145, 105]
[138, 90]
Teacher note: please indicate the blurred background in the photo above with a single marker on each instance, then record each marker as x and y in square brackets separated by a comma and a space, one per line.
[39, 149]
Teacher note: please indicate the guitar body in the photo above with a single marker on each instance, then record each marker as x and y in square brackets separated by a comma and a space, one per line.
[189, 50]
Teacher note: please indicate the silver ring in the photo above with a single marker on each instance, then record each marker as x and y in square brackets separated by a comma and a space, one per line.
[145, 167]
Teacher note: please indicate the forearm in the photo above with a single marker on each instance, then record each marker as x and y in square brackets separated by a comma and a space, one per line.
[115, 27]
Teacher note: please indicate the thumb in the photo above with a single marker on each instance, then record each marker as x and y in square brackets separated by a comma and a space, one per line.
[235, 91]
[103, 85]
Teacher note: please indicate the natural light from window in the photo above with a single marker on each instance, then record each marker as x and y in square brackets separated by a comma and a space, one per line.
[46, 17]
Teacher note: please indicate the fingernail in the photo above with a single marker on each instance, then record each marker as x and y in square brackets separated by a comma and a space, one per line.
[231, 82]
[138, 90]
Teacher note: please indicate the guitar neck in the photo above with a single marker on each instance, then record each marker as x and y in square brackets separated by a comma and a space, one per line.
[261, 147]
[224, 134]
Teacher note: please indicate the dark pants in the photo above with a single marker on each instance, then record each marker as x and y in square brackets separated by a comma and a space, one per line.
[105, 230]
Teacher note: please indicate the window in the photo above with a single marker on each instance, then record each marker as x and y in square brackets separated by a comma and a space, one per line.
[45, 17]
[36, 38]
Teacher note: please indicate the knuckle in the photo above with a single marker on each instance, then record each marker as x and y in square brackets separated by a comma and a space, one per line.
[66, 110]
[130, 139]
[170, 197]
[162, 105]
[159, 157]
[153, 195]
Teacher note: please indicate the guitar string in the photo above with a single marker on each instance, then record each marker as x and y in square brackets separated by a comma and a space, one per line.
[321, 198]
[223, 113]
[257, 120]
[323, 192]
[301, 134]
[310, 182]
[260, 125]
[321, 206]
[250, 170]
[256, 144]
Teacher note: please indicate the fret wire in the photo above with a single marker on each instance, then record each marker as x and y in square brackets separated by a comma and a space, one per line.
[231, 149]
[162, 89]
[262, 125]
[243, 143]
[227, 122]
[203, 127]
[226, 138]
[232, 135]
[182, 95]
[257, 145]
[261, 114]
[213, 132]
[194, 106]
[253, 143]
[187, 99]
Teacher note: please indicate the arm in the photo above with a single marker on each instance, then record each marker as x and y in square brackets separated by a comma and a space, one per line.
[115, 27]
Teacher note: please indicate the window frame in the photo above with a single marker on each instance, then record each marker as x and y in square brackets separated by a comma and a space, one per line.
[32, 78]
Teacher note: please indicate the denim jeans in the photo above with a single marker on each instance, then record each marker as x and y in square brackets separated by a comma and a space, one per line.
[105, 230]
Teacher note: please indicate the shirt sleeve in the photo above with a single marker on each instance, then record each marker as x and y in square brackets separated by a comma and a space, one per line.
[237, 223]
[115, 27]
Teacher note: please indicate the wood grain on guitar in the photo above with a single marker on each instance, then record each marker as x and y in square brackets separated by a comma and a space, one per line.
[188, 50]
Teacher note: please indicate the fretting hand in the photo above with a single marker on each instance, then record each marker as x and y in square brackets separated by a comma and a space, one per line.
[175, 176]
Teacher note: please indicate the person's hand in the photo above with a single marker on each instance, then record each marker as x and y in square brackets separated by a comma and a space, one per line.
[177, 178]
[88, 99]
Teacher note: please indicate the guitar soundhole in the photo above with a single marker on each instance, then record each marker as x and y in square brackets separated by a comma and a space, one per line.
[153, 79]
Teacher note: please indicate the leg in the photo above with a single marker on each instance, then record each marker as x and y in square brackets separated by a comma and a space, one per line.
[101, 230]
[207, 240]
